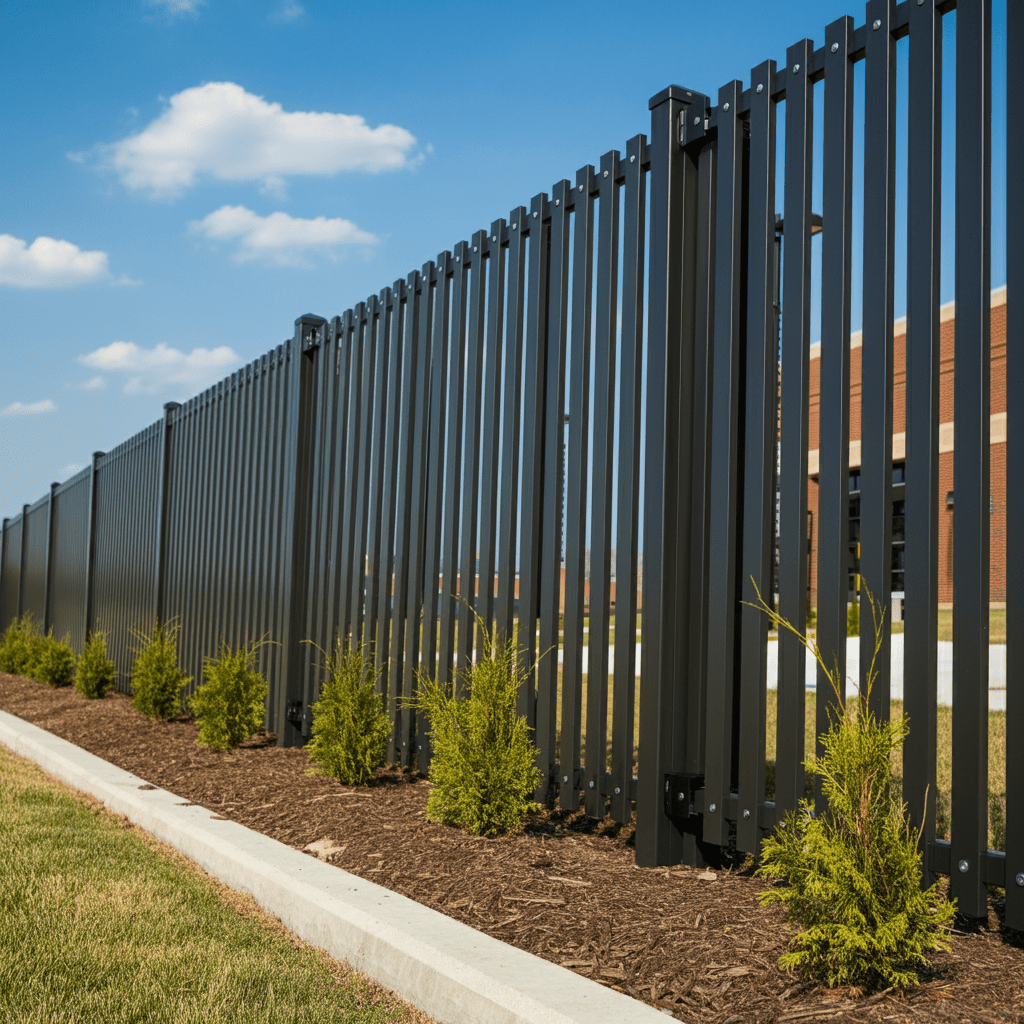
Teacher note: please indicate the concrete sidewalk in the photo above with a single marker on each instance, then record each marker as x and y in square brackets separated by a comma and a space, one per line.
[451, 971]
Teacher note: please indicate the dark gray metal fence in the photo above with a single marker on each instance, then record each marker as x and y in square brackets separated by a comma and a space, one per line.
[355, 479]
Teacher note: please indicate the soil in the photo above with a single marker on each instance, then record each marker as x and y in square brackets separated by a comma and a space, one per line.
[694, 943]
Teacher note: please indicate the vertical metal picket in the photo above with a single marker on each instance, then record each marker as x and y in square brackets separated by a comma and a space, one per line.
[971, 434]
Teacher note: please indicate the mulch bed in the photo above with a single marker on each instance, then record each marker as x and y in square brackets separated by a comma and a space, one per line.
[566, 889]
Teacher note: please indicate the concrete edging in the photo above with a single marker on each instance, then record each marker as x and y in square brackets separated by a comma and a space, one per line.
[449, 970]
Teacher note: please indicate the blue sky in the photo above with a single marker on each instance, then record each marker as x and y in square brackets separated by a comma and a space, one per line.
[182, 178]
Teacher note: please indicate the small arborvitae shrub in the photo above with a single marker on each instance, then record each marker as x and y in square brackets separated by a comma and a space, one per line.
[96, 673]
[350, 724]
[851, 877]
[230, 705]
[53, 661]
[20, 646]
[483, 765]
[157, 681]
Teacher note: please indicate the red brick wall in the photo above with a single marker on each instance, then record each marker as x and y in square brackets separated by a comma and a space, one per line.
[997, 452]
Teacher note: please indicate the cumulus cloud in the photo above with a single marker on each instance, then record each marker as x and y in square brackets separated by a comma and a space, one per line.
[48, 263]
[278, 237]
[93, 384]
[291, 11]
[154, 371]
[29, 408]
[219, 129]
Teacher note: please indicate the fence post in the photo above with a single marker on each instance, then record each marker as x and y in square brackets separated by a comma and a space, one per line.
[677, 120]
[161, 523]
[49, 557]
[24, 558]
[288, 716]
[90, 551]
[3, 566]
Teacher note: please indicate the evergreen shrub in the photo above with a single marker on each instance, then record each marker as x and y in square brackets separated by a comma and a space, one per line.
[53, 661]
[156, 680]
[852, 876]
[230, 705]
[20, 645]
[350, 724]
[483, 765]
[96, 673]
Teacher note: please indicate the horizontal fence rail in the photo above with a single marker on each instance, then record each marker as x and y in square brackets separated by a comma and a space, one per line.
[599, 407]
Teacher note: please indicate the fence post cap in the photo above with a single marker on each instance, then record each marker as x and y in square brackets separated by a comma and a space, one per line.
[171, 406]
[674, 92]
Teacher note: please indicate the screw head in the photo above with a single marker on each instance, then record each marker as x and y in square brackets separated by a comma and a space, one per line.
[963, 866]
[494, 238]
[558, 202]
[712, 808]
[514, 225]
[696, 120]
[796, 68]
[835, 47]
[632, 159]
[458, 259]
[680, 797]
[760, 89]
[605, 174]
[581, 188]
[591, 784]
[877, 24]
[565, 778]
[746, 814]
[474, 248]
[1020, 878]
[666, 785]
[535, 214]
[725, 106]
[617, 791]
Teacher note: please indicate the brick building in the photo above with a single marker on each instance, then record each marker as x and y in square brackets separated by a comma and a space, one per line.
[997, 505]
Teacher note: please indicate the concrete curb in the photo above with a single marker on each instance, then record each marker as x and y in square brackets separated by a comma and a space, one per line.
[451, 971]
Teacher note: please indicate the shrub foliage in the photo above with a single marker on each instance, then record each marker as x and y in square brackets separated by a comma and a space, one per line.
[157, 681]
[483, 764]
[349, 735]
[230, 704]
[852, 876]
[20, 645]
[96, 673]
[53, 661]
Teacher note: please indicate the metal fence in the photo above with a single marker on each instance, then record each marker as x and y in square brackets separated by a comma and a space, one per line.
[515, 402]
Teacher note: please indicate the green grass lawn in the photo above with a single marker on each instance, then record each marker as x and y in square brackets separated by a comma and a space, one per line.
[102, 924]
[996, 626]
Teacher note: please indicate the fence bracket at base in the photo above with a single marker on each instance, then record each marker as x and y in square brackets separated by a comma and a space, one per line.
[993, 863]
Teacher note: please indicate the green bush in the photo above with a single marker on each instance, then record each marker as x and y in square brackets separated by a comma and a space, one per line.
[350, 725]
[156, 680]
[53, 661]
[483, 764]
[96, 672]
[20, 646]
[852, 876]
[231, 702]
[853, 618]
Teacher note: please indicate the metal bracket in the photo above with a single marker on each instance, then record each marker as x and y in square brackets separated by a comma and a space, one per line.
[680, 789]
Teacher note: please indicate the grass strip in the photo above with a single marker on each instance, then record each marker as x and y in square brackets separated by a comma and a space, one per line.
[101, 922]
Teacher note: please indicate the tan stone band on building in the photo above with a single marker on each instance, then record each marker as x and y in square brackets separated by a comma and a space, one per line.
[997, 430]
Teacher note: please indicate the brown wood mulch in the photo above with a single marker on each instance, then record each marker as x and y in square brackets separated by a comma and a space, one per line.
[694, 943]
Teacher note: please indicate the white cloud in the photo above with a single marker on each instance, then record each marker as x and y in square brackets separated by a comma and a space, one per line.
[173, 7]
[291, 11]
[29, 408]
[221, 130]
[48, 263]
[156, 370]
[278, 236]
[93, 384]
[70, 469]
